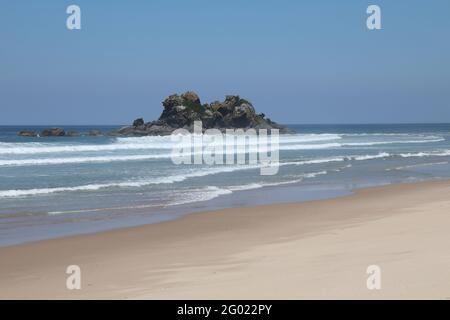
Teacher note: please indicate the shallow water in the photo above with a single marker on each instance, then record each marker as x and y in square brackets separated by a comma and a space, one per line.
[51, 187]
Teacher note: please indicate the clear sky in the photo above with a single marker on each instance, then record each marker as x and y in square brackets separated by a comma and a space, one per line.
[297, 61]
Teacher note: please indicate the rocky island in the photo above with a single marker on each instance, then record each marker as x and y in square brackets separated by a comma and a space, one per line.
[180, 111]
[58, 132]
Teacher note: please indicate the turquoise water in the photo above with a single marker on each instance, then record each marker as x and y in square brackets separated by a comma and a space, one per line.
[51, 187]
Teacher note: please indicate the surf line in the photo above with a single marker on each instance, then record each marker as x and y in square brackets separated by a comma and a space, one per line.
[236, 146]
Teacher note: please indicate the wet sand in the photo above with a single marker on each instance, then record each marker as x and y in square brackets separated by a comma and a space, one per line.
[316, 249]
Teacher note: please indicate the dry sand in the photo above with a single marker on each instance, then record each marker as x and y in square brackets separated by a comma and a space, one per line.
[317, 249]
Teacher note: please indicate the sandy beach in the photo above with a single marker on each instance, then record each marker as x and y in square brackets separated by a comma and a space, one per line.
[318, 249]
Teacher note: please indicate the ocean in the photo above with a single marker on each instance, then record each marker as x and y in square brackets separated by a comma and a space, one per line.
[54, 187]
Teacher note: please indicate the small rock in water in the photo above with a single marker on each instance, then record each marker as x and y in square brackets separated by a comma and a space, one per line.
[72, 134]
[27, 133]
[53, 132]
[95, 133]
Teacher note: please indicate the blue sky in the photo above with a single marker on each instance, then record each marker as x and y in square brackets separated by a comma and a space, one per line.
[297, 61]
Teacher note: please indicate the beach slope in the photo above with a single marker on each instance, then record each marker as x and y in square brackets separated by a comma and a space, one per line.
[318, 249]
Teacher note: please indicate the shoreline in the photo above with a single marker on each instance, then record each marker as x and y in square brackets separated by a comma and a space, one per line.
[312, 249]
[85, 186]
[285, 193]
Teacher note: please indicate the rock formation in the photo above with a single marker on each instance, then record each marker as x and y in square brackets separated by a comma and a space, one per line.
[95, 133]
[180, 111]
[72, 133]
[53, 132]
[27, 133]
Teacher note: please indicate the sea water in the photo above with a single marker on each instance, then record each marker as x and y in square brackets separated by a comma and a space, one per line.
[59, 186]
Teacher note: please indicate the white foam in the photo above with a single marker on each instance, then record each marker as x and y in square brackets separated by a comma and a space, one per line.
[417, 166]
[196, 195]
[74, 160]
[162, 142]
[338, 159]
[310, 146]
[132, 143]
[103, 209]
[200, 195]
[371, 157]
[375, 143]
[442, 153]
[45, 148]
[126, 184]
[298, 179]
[337, 145]
[105, 159]
[287, 142]
[180, 177]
